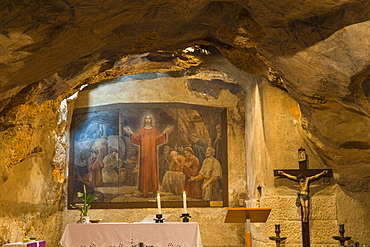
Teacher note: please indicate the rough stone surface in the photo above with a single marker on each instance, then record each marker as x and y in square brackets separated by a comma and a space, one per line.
[274, 131]
[303, 65]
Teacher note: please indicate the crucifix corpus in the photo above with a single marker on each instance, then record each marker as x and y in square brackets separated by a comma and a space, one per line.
[303, 175]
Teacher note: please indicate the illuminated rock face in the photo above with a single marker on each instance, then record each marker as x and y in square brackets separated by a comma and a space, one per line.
[311, 62]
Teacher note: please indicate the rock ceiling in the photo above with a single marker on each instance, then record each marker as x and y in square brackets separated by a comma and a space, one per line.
[318, 51]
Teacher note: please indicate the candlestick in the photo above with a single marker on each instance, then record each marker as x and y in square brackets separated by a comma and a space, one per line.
[277, 239]
[184, 202]
[158, 218]
[185, 217]
[159, 204]
[341, 238]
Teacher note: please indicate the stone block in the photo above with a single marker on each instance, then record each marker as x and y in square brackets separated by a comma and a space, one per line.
[282, 207]
[322, 231]
[292, 230]
[258, 231]
[323, 208]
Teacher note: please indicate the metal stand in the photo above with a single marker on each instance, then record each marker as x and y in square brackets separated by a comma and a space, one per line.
[341, 238]
[248, 235]
[247, 216]
[277, 239]
[158, 218]
[185, 217]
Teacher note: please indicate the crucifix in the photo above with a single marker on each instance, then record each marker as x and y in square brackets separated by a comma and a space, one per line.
[304, 175]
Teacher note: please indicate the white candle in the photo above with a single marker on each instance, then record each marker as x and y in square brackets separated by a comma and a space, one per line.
[159, 204]
[184, 202]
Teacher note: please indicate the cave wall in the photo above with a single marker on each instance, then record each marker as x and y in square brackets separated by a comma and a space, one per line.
[274, 132]
[32, 177]
[265, 129]
[316, 51]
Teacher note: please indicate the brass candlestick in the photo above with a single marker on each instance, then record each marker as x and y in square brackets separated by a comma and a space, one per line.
[277, 238]
[341, 238]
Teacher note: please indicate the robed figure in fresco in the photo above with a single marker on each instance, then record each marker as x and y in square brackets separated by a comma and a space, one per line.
[191, 168]
[96, 166]
[210, 172]
[199, 146]
[148, 138]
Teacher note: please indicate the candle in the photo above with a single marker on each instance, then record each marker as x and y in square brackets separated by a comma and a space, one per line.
[159, 204]
[184, 202]
[84, 197]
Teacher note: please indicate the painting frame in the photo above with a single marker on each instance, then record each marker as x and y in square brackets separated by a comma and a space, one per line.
[197, 117]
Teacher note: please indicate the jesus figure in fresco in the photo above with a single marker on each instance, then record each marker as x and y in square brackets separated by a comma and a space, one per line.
[148, 138]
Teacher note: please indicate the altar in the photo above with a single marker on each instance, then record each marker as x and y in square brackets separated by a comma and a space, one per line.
[27, 244]
[131, 234]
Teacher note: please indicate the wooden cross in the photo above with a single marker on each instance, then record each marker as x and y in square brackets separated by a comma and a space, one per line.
[308, 173]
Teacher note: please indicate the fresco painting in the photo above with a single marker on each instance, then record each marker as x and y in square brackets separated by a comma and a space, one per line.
[127, 153]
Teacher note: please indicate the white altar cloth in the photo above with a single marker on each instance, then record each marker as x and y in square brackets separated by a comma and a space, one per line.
[41, 243]
[175, 234]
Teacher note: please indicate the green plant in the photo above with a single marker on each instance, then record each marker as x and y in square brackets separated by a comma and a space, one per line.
[86, 199]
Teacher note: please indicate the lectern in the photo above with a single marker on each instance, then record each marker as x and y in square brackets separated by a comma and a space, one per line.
[247, 215]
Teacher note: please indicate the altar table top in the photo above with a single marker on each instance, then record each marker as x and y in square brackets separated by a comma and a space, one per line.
[28, 244]
[177, 234]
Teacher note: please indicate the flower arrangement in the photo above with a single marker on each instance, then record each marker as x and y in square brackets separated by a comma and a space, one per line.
[86, 199]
